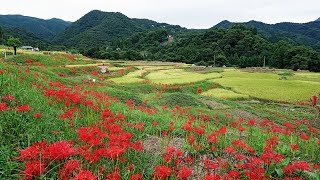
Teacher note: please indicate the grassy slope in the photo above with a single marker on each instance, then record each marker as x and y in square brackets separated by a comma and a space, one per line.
[20, 130]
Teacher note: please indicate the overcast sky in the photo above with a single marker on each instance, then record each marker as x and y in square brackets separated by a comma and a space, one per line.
[187, 13]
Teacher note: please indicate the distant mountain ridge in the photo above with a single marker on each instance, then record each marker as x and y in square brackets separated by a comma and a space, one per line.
[98, 28]
[299, 33]
[40, 28]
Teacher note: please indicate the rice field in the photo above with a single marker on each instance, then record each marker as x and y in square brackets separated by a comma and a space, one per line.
[224, 94]
[179, 76]
[269, 87]
[132, 77]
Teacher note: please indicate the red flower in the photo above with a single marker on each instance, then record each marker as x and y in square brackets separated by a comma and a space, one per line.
[162, 172]
[314, 100]
[294, 147]
[59, 151]
[9, 98]
[136, 177]
[24, 108]
[32, 152]
[208, 164]
[37, 115]
[212, 177]
[33, 168]
[296, 166]
[113, 176]
[303, 136]
[184, 173]
[234, 174]
[2, 71]
[3, 107]
[251, 122]
[229, 149]
[138, 146]
[68, 168]
[223, 130]
[85, 175]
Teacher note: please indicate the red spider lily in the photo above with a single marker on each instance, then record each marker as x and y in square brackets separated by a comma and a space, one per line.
[3, 107]
[184, 173]
[162, 172]
[251, 122]
[114, 152]
[88, 103]
[191, 139]
[304, 136]
[69, 167]
[8, 98]
[229, 150]
[294, 147]
[223, 130]
[171, 126]
[91, 135]
[138, 145]
[33, 168]
[69, 113]
[255, 173]
[24, 108]
[296, 166]
[234, 174]
[32, 152]
[155, 123]
[37, 115]
[212, 177]
[172, 153]
[270, 156]
[113, 176]
[59, 151]
[314, 100]
[85, 175]
[208, 164]
[136, 177]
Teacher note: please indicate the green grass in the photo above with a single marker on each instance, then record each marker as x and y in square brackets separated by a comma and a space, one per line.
[179, 76]
[224, 94]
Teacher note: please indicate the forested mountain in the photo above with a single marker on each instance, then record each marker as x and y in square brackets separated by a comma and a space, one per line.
[236, 46]
[40, 28]
[112, 35]
[307, 34]
[98, 28]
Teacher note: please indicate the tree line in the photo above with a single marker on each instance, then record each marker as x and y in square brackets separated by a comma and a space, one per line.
[237, 46]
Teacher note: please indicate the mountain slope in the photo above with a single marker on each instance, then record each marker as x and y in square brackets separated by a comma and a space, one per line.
[318, 19]
[40, 28]
[304, 34]
[99, 28]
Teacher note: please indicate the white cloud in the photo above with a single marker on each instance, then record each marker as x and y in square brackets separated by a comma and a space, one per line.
[188, 13]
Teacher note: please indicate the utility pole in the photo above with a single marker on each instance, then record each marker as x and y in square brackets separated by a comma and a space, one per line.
[264, 61]
[214, 60]
[5, 52]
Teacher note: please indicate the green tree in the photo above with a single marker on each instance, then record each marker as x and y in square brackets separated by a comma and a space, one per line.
[14, 42]
[1, 36]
